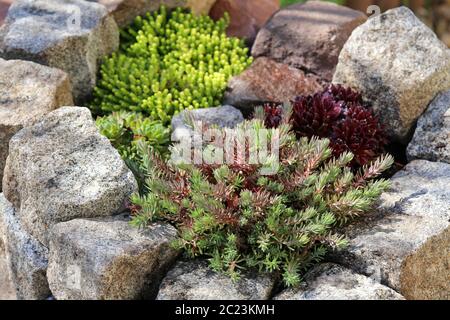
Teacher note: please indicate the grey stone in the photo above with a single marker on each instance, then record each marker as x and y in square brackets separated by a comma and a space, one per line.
[60, 169]
[308, 36]
[194, 280]
[2, 225]
[431, 140]
[399, 65]
[107, 258]
[420, 189]
[28, 92]
[405, 243]
[333, 282]
[7, 291]
[72, 35]
[26, 257]
[223, 117]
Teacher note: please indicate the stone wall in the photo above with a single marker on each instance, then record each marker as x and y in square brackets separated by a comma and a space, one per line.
[63, 219]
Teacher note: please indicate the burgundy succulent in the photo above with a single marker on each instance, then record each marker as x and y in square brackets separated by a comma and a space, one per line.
[359, 132]
[337, 113]
[315, 115]
[274, 115]
[343, 95]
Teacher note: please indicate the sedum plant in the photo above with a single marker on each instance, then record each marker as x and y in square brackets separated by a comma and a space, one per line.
[337, 113]
[126, 130]
[170, 62]
[242, 219]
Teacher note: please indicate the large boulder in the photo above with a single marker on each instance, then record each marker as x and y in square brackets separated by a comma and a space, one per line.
[333, 282]
[399, 65]
[72, 35]
[246, 17]
[28, 92]
[405, 243]
[194, 280]
[27, 257]
[60, 169]
[308, 36]
[266, 81]
[431, 140]
[107, 258]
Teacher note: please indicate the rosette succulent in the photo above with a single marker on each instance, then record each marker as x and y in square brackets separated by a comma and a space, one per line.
[339, 114]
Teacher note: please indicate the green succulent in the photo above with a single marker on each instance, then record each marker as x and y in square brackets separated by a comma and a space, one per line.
[241, 219]
[126, 130]
[177, 61]
[168, 62]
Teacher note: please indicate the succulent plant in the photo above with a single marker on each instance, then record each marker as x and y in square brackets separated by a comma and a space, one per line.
[339, 114]
[241, 219]
[126, 129]
[343, 95]
[170, 61]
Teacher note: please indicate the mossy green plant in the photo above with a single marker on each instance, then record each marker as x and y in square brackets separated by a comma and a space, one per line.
[168, 62]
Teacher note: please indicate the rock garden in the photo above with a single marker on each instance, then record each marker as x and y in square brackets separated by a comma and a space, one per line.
[99, 101]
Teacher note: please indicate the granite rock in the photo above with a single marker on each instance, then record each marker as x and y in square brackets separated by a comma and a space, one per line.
[108, 259]
[431, 140]
[194, 280]
[60, 169]
[333, 282]
[28, 92]
[26, 257]
[399, 65]
[71, 35]
[405, 243]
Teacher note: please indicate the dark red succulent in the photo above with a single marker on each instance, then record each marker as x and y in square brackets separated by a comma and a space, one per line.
[360, 133]
[337, 113]
[315, 115]
[343, 95]
[274, 115]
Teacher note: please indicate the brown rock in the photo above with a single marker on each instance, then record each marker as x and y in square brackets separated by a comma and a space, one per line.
[308, 36]
[266, 80]
[247, 17]
[4, 6]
